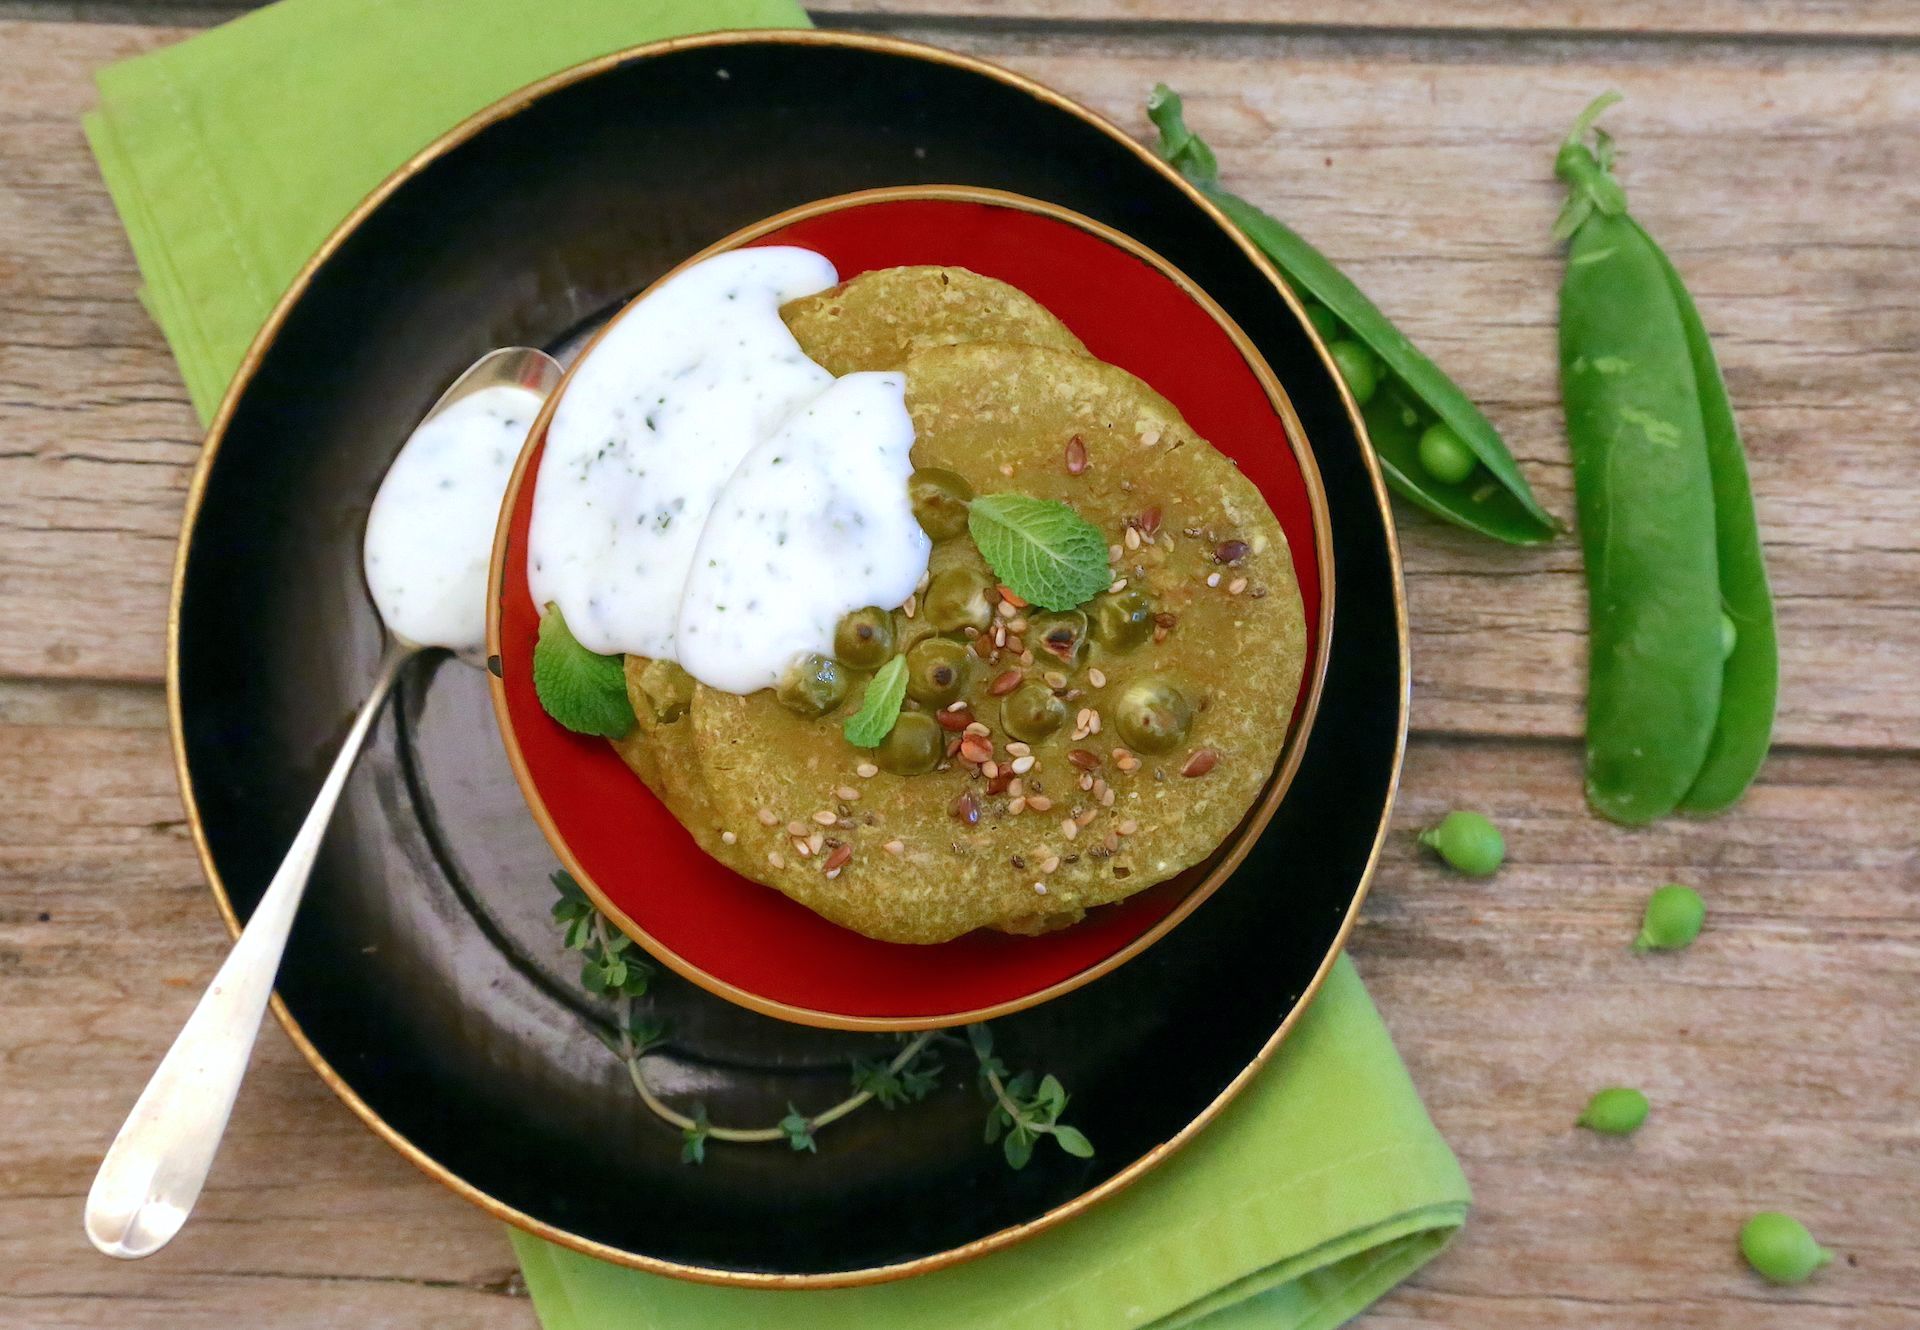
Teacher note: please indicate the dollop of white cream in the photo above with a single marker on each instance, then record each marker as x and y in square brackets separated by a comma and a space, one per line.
[430, 531]
[652, 424]
[813, 523]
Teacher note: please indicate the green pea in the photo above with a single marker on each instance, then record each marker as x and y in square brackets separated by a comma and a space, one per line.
[1122, 622]
[913, 746]
[957, 600]
[813, 685]
[1672, 919]
[1324, 322]
[1617, 1110]
[1031, 712]
[1780, 1249]
[1152, 714]
[940, 498]
[1358, 366]
[1445, 454]
[1062, 636]
[864, 638]
[937, 671]
[1729, 635]
[1468, 842]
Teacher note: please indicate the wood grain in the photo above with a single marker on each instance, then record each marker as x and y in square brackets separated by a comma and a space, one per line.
[1784, 189]
[1771, 149]
[1780, 1052]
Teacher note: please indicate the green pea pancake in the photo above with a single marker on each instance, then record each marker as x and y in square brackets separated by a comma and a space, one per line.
[934, 855]
[880, 318]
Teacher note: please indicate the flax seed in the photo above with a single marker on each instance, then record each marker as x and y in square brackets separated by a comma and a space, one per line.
[838, 859]
[1076, 455]
[1202, 761]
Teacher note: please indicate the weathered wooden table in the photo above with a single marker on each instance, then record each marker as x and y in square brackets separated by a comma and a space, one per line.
[1773, 145]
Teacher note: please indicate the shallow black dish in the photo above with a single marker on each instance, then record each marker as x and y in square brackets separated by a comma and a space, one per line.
[424, 975]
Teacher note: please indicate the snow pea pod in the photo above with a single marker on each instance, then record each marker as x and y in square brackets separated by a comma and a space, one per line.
[1751, 683]
[1494, 499]
[1645, 494]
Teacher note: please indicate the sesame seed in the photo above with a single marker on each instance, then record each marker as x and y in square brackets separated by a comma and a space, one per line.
[961, 705]
[1023, 764]
[1017, 624]
[895, 847]
[1096, 678]
[1007, 611]
[1014, 787]
[846, 793]
[1119, 585]
[801, 847]
[1236, 586]
[990, 769]
[1128, 827]
[776, 859]
[913, 604]
[1006, 468]
[1087, 816]
[768, 818]
[796, 828]
[1133, 538]
[1113, 553]
[1039, 803]
[1106, 797]
[816, 840]
[1016, 805]
[1040, 887]
[1093, 722]
[825, 817]
[977, 728]
[728, 838]
[1051, 863]
[866, 771]
[1086, 782]
[1017, 749]
[1069, 828]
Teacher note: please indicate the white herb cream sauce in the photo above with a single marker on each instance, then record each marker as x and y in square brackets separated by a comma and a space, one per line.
[712, 496]
[430, 531]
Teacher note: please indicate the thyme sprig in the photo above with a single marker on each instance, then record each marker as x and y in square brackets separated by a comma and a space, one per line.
[1022, 1108]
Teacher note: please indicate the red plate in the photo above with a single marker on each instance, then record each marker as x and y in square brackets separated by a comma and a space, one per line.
[747, 942]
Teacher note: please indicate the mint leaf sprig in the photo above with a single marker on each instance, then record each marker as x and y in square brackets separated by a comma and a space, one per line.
[880, 707]
[1022, 1108]
[1041, 549]
[583, 690]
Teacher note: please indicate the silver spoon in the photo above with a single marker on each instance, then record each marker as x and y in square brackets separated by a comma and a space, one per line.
[156, 1166]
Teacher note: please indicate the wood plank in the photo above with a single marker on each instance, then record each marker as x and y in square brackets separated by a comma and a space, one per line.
[1782, 180]
[1780, 1052]
[1801, 18]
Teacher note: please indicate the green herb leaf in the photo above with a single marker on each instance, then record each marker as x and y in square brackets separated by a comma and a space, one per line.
[1074, 1142]
[1018, 1147]
[799, 1130]
[1044, 551]
[693, 1140]
[583, 690]
[880, 708]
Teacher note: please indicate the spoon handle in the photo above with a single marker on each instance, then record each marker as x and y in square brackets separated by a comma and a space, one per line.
[156, 1166]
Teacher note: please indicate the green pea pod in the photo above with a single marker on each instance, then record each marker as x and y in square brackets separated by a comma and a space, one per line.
[1498, 502]
[1645, 494]
[1752, 678]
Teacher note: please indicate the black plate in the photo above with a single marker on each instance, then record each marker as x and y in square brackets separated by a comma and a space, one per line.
[424, 970]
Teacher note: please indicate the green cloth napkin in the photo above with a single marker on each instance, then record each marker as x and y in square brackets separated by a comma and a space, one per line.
[230, 158]
[1321, 1186]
